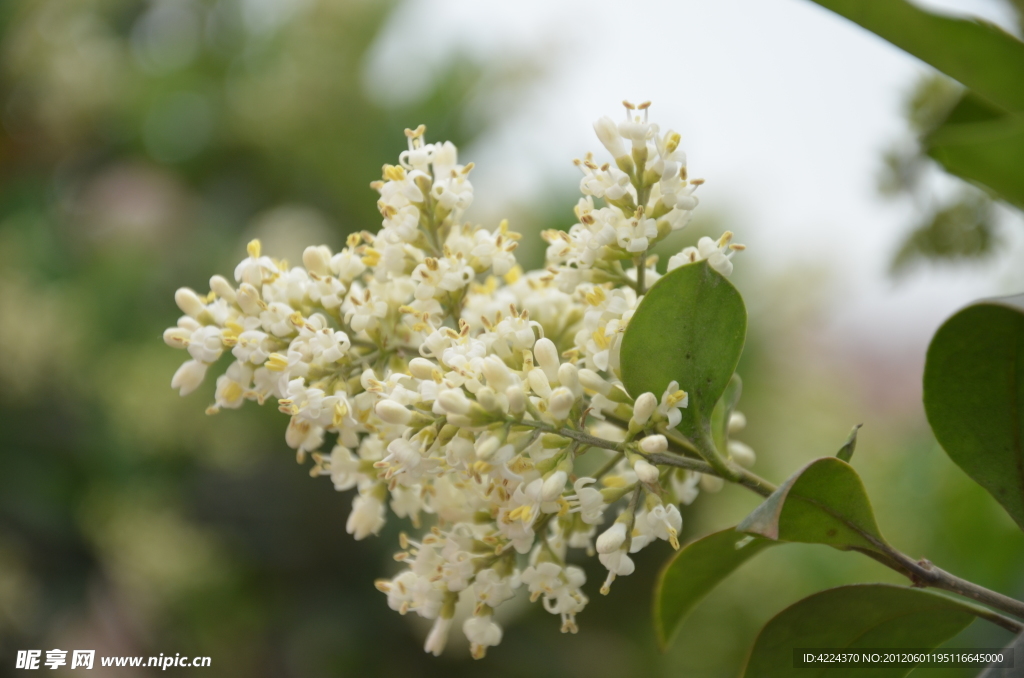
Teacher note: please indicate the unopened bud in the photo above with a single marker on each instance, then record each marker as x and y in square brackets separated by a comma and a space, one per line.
[392, 412]
[547, 357]
[646, 472]
[593, 381]
[655, 444]
[317, 259]
[421, 368]
[644, 408]
[568, 376]
[189, 302]
[612, 539]
[553, 486]
[177, 337]
[742, 453]
[454, 401]
[222, 288]
[710, 483]
[561, 402]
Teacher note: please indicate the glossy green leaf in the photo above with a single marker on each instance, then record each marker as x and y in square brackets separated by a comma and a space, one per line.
[846, 451]
[822, 503]
[990, 153]
[974, 396]
[696, 569]
[852, 617]
[978, 54]
[689, 328]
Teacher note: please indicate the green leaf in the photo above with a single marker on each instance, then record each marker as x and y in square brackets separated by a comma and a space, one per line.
[723, 411]
[691, 574]
[1017, 647]
[961, 230]
[980, 55]
[859, 616]
[974, 396]
[988, 153]
[688, 328]
[822, 503]
[846, 451]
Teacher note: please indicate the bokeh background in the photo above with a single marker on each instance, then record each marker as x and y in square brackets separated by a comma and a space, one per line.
[144, 142]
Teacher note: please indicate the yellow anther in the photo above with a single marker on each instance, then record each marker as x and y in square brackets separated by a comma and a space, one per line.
[277, 362]
[371, 257]
[676, 397]
[232, 391]
[394, 172]
[253, 248]
[672, 140]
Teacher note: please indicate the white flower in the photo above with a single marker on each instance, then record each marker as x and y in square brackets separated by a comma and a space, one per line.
[482, 633]
[587, 501]
[671, 401]
[665, 523]
[612, 538]
[618, 563]
[253, 270]
[438, 636]
[608, 133]
[493, 589]
[188, 377]
[444, 375]
[366, 518]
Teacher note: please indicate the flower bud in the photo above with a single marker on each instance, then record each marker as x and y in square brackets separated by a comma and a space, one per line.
[568, 376]
[644, 408]
[516, 399]
[421, 368]
[655, 444]
[612, 538]
[547, 358]
[392, 412]
[608, 133]
[488, 399]
[710, 483]
[646, 472]
[438, 636]
[248, 299]
[742, 453]
[188, 377]
[177, 337]
[539, 382]
[189, 302]
[592, 380]
[222, 288]
[487, 446]
[553, 486]
[497, 373]
[561, 402]
[454, 401]
[737, 422]
[317, 259]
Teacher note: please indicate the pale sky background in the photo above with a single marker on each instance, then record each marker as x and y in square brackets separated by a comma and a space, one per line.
[784, 108]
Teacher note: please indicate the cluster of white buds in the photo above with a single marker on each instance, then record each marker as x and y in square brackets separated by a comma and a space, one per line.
[464, 393]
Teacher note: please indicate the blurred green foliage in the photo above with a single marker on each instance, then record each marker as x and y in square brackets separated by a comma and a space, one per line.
[966, 117]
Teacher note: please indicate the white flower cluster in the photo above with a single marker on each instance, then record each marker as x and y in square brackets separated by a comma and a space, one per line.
[462, 392]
